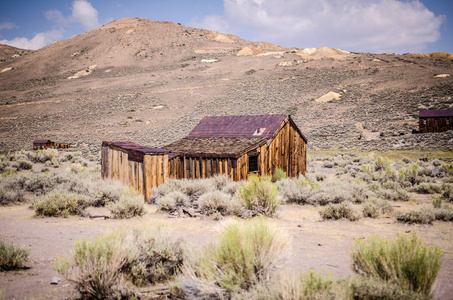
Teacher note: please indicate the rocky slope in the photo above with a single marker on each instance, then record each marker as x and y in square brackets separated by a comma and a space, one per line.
[151, 82]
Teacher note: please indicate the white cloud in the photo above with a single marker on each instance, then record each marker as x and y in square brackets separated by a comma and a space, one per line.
[356, 25]
[7, 25]
[83, 12]
[38, 41]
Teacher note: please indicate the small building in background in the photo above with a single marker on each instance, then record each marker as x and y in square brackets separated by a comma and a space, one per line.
[46, 144]
[435, 120]
[42, 144]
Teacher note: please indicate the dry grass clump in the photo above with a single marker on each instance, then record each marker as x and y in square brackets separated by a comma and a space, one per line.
[302, 286]
[374, 288]
[113, 266]
[10, 196]
[343, 210]
[278, 174]
[60, 204]
[294, 190]
[375, 207]
[217, 202]
[259, 195]
[173, 200]
[247, 253]
[12, 257]
[130, 204]
[405, 261]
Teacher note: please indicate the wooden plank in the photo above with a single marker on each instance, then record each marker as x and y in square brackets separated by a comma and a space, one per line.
[140, 179]
[208, 167]
[159, 163]
[203, 168]
[147, 174]
[120, 166]
[225, 166]
[125, 168]
[115, 165]
[103, 162]
[130, 170]
[165, 173]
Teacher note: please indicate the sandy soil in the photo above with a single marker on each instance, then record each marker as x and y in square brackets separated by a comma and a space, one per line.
[316, 244]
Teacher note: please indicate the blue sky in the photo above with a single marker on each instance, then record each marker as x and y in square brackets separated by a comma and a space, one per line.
[356, 25]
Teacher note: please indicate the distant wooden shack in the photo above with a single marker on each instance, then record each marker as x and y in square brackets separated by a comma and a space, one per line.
[42, 144]
[138, 166]
[435, 120]
[235, 146]
[46, 144]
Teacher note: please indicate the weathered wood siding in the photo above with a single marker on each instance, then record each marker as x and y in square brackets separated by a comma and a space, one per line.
[435, 124]
[142, 176]
[287, 151]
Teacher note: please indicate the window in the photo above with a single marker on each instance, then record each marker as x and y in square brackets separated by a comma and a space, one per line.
[435, 121]
[448, 121]
[253, 163]
[424, 122]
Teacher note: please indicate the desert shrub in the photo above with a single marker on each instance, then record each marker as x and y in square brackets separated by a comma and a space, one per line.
[419, 217]
[437, 202]
[37, 184]
[10, 196]
[76, 168]
[129, 205]
[409, 174]
[375, 207]
[260, 195]
[302, 286]
[294, 191]
[55, 163]
[381, 163]
[60, 204]
[218, 202]
[339, 211]
[365, 288]
[328, 164]
[404, 260]
[447, 192]
[443, 213]
[231, 187]
[173, 200]
[447, 168]
[24, 164]
[247, 253]
[278, 174]
[428, 188]
[12, 256]
[368, 169]
[393, 194]
[109, 266]
[161, 256]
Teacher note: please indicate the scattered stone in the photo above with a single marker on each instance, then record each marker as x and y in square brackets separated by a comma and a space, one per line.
[209, 61]
[6, 70]
[330, 96]
[285, 64]
[55, 280]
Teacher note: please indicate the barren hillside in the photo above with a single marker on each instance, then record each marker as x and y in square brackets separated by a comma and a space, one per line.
[151, 82]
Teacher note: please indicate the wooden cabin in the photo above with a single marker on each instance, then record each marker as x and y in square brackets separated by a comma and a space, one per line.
[137, 166]
[235, 146]
[239, 145]
[435, 120]
[46, 144]
[42, 144]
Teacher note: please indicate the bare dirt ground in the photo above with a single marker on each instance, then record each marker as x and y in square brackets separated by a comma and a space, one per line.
[316, 244]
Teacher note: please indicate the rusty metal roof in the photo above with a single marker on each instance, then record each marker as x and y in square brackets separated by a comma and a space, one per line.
[435, 113]
[41, 141]
[134, 151]
[260, 126]
[214, 146]
[128, 145]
